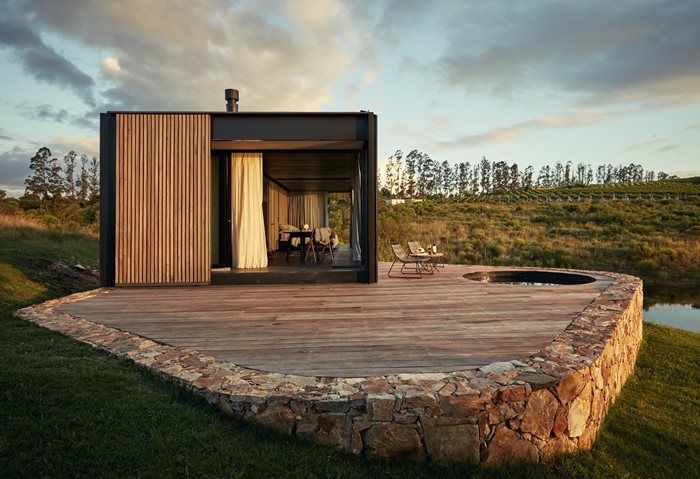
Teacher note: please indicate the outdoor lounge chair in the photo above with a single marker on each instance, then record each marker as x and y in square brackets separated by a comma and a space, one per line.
[417, 250]
[422, 265]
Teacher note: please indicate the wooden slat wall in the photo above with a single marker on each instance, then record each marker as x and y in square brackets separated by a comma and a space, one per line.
[163, 195]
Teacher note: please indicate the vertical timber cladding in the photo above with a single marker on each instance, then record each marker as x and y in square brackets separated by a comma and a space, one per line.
[163, 199]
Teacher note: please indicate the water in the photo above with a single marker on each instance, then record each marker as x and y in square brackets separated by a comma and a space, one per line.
[684, 316]
[677, 307]
[529, 278]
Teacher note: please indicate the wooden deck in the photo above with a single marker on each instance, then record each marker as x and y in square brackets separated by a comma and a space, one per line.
[438, 324]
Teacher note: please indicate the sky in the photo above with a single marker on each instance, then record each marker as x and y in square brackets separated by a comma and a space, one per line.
[529, 82]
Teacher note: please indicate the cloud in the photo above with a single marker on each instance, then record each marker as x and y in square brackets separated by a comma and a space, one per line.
[667, 148]
[88, 145]
[39, 60]
[87, 120]
[504, 134]
[182, 55]
[111, 66]
[14, 168]
[43, 112]
[598, 51]
[6, 135]
[653, 141]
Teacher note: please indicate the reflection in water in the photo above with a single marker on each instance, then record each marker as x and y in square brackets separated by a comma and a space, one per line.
[683, 316]
[677, 307]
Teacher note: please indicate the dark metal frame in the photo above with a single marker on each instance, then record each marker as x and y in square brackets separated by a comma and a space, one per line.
[224, 218]
[108, 190]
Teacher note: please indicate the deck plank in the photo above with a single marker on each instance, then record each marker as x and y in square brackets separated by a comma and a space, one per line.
[438, 324]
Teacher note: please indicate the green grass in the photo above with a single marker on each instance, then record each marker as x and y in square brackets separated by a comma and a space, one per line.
[67, 410]
[658, 241]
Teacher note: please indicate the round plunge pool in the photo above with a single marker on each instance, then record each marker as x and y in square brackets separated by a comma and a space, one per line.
[530, 278]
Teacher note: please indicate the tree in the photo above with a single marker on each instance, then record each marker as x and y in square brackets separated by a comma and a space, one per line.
[485, 175]
[388, 176]
[661, 176]
[557, 177]
[437, 178]
[447, 178]
[609, 175]
[428, 175]
[83, 184]
[54, 179]
[526, 180]
[499, 182]
[68, 173]
[37, 183]
[514, 182]
[474, 189]
[568, 174]
[463, 178]
[94, 179]
[420, 168]
[544, 179]
[600, 175]
[411, 173]
[589, 175]
[581, 174]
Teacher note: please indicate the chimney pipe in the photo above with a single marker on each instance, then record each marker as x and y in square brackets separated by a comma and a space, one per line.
[231, 99]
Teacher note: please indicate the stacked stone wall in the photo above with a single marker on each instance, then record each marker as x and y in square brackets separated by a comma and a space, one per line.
[528, 409]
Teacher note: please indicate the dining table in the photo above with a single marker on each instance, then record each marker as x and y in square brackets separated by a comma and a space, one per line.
[302, 235]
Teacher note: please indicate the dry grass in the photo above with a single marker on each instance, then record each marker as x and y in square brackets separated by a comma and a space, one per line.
[41, 223]
[659, 241]
[17, 221]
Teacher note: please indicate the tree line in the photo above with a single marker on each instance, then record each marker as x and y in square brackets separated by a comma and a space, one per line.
[57, 192]
[416, 174]
[75, 178]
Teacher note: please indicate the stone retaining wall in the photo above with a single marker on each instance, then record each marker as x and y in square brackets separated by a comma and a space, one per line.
[527, 409]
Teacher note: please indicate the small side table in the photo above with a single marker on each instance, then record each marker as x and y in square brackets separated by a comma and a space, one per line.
[434, 259]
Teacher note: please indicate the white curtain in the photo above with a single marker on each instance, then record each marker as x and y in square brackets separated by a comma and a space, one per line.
[308, 208]
[355, 215]
[247, 220]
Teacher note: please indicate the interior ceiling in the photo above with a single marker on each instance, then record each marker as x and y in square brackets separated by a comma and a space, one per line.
[311, 171]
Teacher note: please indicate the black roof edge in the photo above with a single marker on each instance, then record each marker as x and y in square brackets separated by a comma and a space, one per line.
[243, 113]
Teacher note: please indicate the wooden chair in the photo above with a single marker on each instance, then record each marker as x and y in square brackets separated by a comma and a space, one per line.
[421, 264]
[310, 248]
[323, 237]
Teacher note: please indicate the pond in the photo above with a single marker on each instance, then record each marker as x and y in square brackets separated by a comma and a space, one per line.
[677, 307]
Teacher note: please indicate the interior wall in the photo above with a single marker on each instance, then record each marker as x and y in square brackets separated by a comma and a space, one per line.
[277, 212]
[162, 199]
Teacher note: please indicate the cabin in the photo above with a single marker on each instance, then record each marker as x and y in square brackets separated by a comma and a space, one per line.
[233, 197]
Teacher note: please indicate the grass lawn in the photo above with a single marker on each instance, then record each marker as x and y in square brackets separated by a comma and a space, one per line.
[67, 410]
[658, 241]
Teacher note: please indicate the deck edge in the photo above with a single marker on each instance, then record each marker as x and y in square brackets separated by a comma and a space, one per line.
[528, 409]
